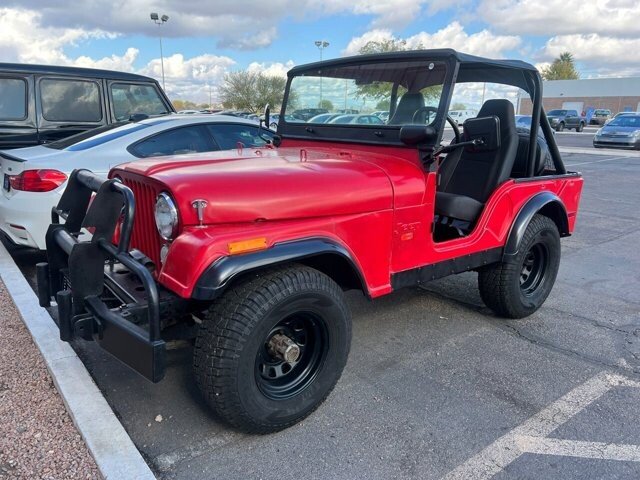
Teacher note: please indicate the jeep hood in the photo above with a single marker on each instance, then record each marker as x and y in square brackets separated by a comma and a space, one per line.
[252, 185]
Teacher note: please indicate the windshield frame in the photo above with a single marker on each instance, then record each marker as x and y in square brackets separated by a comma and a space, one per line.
[368, 134]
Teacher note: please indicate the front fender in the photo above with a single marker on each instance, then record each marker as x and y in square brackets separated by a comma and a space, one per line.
[223, 271]
[547, 203]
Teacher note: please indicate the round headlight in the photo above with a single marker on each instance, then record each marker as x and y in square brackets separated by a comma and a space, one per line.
[166, 215]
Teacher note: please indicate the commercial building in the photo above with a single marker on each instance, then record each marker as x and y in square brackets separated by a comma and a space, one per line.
[586, 95]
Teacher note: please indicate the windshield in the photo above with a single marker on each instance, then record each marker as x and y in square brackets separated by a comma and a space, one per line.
[557, 112]
[347, 96]
[625, 121]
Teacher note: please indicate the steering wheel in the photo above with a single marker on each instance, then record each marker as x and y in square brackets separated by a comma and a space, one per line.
[452, 122]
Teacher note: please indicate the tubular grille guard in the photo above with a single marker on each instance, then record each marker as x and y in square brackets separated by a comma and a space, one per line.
[81, 312]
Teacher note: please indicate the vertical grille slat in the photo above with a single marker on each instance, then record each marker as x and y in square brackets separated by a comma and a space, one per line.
[144, 236]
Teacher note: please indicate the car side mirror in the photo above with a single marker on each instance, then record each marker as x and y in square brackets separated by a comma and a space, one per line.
[415, 134]
[267, 116]
[484, 131]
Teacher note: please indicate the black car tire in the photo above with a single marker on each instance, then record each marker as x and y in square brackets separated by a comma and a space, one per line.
[239, 375]
[517, 288]
[560, 127]
[580, 127]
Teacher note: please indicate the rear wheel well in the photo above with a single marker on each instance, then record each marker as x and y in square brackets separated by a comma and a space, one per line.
[556, 212]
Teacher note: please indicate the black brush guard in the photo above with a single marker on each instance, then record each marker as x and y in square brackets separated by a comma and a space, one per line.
[89, 277]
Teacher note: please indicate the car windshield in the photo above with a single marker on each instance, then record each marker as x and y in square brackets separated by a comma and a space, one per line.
[557, 112]
[625, 121]
[524, 121]
[397, 89]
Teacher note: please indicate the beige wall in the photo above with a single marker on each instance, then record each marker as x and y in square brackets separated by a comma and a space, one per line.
[615, 104]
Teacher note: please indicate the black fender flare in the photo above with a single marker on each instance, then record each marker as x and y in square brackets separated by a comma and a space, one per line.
[548, 204]
[215, 279]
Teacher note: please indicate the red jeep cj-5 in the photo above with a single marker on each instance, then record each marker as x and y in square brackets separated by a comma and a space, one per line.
[251, 250]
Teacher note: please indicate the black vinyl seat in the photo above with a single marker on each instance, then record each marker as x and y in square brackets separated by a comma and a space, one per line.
[466, 185]
[407, 106]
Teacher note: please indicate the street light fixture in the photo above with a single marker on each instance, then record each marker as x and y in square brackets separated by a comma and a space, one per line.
[160, 20]
[321, 44]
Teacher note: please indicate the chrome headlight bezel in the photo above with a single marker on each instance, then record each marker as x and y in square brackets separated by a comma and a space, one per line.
[167, 230]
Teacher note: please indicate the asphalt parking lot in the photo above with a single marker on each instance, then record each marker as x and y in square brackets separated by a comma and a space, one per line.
[436, 385]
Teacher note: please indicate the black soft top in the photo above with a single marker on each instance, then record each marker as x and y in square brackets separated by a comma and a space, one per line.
[72, 71]
[471, 68]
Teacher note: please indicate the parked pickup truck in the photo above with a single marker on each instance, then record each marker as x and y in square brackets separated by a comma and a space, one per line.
[561, 119]
[250, 250]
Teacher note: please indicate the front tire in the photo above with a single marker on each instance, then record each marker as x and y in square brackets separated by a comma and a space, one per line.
[560, 127]
[240, 373]
[517, 288]
[580, 127]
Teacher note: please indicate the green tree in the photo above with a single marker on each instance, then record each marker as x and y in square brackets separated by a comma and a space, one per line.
[326, 104]
[251, 91]
[562, 68]
[184, 105]
[383, 105]
[458, 106]
[381, 91]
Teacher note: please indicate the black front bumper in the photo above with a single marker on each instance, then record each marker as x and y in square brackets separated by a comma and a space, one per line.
[104, 293]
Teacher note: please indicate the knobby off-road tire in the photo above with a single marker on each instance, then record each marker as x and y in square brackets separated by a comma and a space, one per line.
[241, 377]
[518, 288]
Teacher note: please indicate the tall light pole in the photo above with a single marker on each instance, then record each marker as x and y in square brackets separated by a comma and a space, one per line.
[321, 44]
[160, 20]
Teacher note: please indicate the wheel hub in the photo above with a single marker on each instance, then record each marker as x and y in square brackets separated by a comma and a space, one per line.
[291, 355]
[284, 348]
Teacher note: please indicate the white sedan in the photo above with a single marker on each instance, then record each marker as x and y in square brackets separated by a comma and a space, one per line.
[35, 177]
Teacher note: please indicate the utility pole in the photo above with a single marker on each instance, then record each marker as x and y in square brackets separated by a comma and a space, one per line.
[160, 20]
[321, 44]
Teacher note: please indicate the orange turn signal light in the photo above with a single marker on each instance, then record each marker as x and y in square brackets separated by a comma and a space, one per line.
[244, 246]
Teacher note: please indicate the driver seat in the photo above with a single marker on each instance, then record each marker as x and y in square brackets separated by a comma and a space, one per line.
[408, 105]
[477, 174]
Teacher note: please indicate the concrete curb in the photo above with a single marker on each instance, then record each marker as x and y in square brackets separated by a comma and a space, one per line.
[609, 152]
[114, 452]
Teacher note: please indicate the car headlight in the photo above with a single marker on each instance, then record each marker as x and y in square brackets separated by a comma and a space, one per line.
[166, 215]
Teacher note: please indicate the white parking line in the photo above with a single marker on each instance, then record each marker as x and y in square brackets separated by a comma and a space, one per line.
[577, 448]
[530, 436]
[595, 161]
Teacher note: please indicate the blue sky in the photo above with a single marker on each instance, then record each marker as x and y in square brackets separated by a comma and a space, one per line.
[205, 40]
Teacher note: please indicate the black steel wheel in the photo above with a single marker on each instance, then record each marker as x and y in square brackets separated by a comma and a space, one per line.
[534, 266]
[280, 377]
[518, 287]
[272, 348]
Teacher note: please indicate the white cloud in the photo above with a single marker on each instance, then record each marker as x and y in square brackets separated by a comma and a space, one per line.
[24, 38]
[599, 55]
[483, 43]
[274, 69]
[557, 17]
[236, 24]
